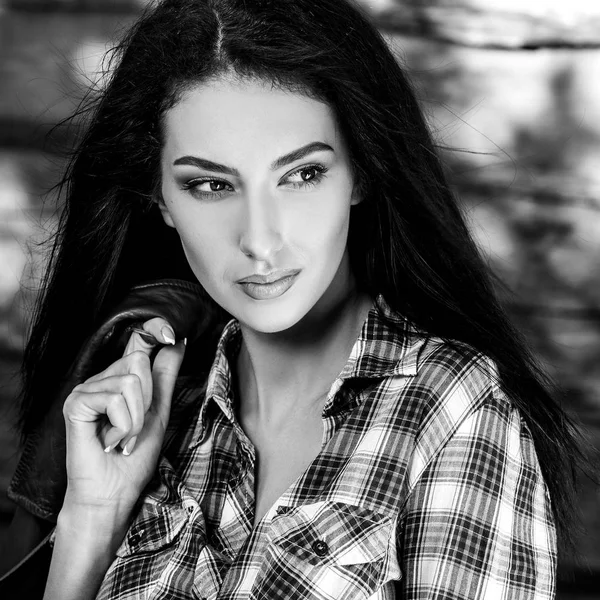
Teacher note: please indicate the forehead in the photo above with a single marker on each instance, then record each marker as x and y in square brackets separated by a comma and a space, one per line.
[228, 116]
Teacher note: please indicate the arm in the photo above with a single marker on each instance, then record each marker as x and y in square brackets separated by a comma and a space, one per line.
[84, 547]
[128, 404]
[478, 522]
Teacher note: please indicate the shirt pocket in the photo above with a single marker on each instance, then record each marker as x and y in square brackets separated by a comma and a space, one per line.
[154, 528]
[146, 554]
[326, 550]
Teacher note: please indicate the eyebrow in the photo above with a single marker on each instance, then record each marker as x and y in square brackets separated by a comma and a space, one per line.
[282, 161]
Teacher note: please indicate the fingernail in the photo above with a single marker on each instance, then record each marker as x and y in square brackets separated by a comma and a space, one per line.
[168, 335]
[116, 436]
[129, 446]
[185, 341]
[110, 447]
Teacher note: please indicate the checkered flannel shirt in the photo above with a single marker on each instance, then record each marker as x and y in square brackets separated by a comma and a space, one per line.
[427, 485]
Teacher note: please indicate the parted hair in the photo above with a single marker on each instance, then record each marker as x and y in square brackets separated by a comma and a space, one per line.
[407, 240]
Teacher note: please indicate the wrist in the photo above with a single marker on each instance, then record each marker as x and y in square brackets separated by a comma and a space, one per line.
[84, 504]
[86, 540]
[102, 520]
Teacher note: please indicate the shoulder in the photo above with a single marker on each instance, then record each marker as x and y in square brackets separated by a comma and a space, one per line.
[428, 373]
[457, 376]
[449, 377]
[425, 387]
[451, 385]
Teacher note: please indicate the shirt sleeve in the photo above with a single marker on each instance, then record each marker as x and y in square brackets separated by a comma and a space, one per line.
[478, 524]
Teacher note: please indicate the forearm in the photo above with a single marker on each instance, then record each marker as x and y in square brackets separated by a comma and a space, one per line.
[85, 544]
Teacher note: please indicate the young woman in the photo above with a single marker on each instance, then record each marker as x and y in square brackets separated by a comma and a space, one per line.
[371, 426]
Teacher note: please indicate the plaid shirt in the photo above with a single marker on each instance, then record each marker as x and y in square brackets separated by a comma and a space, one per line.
[427, 485]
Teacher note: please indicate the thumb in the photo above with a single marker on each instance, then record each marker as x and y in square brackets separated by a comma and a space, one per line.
[164, 375]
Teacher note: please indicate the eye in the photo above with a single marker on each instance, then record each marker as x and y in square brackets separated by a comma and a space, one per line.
[306, 176]
[207, 188]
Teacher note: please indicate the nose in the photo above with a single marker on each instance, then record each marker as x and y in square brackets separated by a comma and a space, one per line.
[261, 237]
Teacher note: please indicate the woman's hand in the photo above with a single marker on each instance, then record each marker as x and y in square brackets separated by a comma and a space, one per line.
[115, 423]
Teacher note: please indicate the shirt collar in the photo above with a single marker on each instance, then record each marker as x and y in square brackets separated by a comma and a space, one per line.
[387, 345]
[219, 386]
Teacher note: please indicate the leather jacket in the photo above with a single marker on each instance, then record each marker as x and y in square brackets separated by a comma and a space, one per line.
[39, 482]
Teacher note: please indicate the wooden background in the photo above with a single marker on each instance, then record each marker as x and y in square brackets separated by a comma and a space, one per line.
[513, 87]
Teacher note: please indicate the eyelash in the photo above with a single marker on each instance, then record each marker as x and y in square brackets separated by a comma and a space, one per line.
[191, 185]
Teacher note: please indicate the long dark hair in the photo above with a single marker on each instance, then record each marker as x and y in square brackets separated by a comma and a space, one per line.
[408, 239]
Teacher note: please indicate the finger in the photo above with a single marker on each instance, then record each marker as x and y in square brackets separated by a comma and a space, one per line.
[90, 406]
[129, 446]
[160, 332]
[136, 363]
[130, 387]
[164, 375]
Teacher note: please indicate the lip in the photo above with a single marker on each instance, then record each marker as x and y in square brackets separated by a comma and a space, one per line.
[271, 277]
[275, 284]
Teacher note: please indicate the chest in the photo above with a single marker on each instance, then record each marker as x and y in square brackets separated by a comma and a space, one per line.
[282, 453]
[240, 472]
[329, 529]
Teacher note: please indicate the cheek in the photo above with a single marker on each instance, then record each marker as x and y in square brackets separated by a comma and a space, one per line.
[202, 245]
[323, 226]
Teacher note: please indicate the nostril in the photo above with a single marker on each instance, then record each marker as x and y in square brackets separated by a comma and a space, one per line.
[261, 246]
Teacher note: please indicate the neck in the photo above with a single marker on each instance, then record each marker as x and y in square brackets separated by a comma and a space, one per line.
[294, 369]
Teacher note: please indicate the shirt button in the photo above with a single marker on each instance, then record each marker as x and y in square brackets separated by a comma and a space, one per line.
[320, 548]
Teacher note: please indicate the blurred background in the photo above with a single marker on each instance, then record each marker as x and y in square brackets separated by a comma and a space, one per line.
[512, 87]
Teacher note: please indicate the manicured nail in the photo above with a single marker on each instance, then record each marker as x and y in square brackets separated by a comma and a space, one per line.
[168, 335]
[129, 446]
[110, 447]
[112, 440]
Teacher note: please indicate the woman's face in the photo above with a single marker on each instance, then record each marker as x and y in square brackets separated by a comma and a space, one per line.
[257, 182]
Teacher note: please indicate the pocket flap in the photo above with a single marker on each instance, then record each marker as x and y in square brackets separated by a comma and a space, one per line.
[154, 526]
[332, 533]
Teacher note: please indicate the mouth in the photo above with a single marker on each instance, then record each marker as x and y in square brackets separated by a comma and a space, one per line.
[269, 277]
[271, 285]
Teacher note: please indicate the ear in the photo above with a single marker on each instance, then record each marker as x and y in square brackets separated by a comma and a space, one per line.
[357, 195]
[164, 211]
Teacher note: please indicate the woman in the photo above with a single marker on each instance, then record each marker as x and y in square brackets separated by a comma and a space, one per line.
[371, 426]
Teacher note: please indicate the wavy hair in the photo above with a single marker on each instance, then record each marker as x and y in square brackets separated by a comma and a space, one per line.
[408, 240]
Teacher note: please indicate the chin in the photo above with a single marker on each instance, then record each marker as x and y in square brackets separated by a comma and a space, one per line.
[270, 317]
